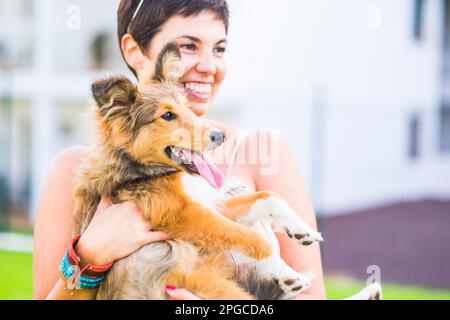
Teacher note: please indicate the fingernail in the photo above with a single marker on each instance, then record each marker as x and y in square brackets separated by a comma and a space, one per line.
[170, 287]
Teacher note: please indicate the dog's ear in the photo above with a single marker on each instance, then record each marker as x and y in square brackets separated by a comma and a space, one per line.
[169, 67]
[114, 91]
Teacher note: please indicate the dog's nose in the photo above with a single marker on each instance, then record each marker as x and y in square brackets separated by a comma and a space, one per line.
[218, 137]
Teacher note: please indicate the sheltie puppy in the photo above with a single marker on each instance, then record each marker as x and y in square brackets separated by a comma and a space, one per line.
[150, 151]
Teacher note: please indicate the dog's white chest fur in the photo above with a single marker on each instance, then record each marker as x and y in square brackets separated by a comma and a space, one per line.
[200, 191]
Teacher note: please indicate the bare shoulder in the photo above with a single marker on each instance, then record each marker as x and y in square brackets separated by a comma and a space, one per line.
[269, 146]
[56, 200]
[273, 155]
[66, 162]
[70, 157]
[61, 177]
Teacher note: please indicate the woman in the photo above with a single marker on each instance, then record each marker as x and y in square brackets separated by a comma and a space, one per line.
[199, 28]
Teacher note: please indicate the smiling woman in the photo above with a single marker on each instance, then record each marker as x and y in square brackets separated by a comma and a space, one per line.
[157, 23]
[199, 30]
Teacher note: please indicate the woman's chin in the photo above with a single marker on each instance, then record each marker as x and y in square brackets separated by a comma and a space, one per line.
[199, 108]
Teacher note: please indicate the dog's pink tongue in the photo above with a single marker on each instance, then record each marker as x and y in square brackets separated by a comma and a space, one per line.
[208, 170]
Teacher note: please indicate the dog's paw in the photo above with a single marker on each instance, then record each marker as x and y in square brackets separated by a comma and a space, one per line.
[285, 218]
[371, 292]
[375, 292]
[293, 285]
[303, 237]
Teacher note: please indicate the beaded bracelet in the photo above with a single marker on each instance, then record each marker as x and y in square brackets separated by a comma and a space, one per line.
[89, 277]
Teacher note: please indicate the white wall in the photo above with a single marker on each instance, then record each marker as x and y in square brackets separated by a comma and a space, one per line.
[292, 56]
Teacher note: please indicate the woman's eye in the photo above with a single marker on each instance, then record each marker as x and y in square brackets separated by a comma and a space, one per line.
[220, 51]
[189, 47]
[169, 116]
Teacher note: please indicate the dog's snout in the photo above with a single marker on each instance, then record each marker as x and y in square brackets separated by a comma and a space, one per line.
[217, 137]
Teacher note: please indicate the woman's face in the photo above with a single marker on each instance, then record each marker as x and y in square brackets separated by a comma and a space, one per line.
[202, 42]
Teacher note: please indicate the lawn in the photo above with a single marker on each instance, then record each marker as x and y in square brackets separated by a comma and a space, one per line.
[16, 283]
[339, 289]
[16, 275]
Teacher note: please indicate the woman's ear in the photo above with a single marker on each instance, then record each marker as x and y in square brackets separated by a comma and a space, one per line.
[132, 52]
[134, 57]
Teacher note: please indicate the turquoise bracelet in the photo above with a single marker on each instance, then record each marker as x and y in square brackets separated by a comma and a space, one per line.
[89, 277]
[84, 281]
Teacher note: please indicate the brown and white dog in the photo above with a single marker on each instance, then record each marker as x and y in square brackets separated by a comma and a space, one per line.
[140, 158]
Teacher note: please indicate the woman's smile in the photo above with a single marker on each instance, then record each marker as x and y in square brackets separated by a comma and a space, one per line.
[198, 91]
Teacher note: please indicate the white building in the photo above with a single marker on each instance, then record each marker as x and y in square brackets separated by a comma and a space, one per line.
[361, 89]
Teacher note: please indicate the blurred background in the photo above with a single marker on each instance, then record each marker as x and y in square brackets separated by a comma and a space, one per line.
[360, 89]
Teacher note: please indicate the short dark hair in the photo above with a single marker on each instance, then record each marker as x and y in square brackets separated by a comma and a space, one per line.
[154, 13]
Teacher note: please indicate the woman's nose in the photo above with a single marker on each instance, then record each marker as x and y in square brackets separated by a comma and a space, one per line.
[206, 64]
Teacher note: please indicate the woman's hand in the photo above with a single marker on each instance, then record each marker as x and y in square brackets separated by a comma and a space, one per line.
[175, 293]
[115, 232]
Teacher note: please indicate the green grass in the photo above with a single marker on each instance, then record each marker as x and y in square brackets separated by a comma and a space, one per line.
[20, 230]
[339, 289]
[16, 282]
[16, 275]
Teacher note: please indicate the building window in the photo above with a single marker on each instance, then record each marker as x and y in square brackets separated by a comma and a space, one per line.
[414, 136]
[445, 129]
[100, 50]
[418, 19]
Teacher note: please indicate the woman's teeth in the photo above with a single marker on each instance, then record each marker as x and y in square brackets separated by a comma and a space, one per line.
[199, 87]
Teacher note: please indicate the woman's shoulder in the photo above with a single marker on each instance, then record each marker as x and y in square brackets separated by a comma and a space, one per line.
[60, 181]
[72, 156]
[265, 142]
[265, 151]
[66, 161]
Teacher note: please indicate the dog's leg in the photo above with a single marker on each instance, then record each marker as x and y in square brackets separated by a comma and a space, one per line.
[209, 285]
[206, 228]
[275, 271]
[199, 225]
[265, 205]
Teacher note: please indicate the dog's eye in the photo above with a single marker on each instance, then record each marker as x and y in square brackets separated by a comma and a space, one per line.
[169, 116]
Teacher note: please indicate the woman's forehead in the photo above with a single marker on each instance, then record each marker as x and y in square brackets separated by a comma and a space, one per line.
[205, 26]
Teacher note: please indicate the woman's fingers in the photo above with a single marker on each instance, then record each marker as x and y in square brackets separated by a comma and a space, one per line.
[154, 236]
[180, 294]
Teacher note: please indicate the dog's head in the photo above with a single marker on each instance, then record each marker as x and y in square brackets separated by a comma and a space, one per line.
[154, 125]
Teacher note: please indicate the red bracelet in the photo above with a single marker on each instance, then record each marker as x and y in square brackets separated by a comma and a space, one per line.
[89, 269]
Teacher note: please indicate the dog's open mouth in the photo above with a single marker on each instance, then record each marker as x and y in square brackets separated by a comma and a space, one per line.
[196, 163]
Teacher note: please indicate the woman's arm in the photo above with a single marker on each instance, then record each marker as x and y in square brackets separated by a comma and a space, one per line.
[115, 231]
[277, 171]
[53, 226]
